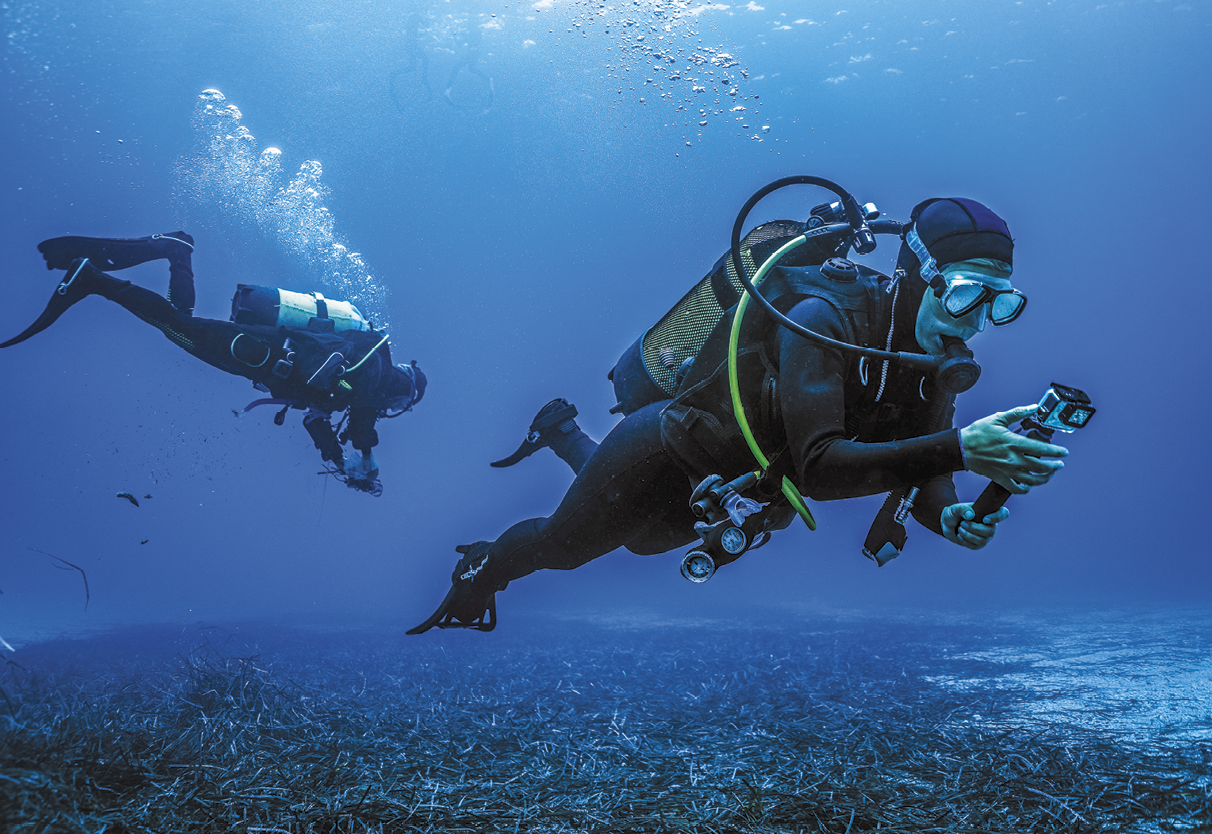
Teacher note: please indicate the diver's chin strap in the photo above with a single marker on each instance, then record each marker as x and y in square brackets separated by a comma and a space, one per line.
[789, 489]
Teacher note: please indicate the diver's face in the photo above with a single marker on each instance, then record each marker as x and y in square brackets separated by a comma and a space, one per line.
[933, 322]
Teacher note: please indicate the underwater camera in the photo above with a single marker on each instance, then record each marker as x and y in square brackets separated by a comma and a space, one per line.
[1060, 409]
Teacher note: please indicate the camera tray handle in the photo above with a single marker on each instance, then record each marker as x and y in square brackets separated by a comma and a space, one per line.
[994, 494]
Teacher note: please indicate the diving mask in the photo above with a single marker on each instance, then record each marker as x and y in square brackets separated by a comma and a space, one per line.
[965, 292]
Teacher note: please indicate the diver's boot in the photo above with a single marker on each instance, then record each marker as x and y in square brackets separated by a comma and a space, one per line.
[114, 253]
[83, 279]
[553, 420]
[469, 603]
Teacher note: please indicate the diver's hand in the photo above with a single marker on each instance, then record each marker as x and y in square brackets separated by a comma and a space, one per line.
[962, 528]
[362, 467]
[1015, 462]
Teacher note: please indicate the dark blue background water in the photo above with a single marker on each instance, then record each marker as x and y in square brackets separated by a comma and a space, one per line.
[526, 247]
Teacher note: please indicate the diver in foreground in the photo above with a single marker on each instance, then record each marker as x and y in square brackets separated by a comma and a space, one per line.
[305, 351]
[857, 401]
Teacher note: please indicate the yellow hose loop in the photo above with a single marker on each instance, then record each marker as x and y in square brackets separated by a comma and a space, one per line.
[367, 356]
[789, 489]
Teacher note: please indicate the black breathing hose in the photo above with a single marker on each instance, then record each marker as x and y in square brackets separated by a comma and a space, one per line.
[954, 368]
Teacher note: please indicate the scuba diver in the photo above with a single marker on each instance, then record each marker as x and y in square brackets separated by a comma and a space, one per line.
[305, 351]
[843, 386]
[474, 41]
[415, 60]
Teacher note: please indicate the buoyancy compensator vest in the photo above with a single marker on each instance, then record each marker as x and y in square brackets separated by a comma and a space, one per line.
[726, 416]
[854, 293]
[328, 371]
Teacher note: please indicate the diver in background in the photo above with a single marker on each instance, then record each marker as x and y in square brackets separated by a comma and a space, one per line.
[415, 60]
[474, 40]
[318, 368]
[838, 427]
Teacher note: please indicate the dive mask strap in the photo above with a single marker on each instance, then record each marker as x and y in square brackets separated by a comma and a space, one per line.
[929, 270]
[412, 381]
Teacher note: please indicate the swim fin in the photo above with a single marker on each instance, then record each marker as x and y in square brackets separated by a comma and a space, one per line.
[113, 253]
[83, 279]
[465, 606]
[554, 417]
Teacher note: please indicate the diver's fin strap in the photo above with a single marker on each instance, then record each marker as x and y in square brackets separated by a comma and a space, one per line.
[174, 238]
[69, 280]
[554, 418]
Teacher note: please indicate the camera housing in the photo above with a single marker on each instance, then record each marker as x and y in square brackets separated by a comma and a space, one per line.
[1063, 409]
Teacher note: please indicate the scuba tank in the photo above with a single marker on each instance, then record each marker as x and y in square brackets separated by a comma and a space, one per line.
[653, 367]
[277, 307]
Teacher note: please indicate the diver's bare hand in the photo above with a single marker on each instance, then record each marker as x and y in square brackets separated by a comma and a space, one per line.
[961, 526]
[1011, 460]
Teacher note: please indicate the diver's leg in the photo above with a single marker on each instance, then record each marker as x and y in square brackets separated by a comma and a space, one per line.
[629, 494]
[181, 279]
[220, 344]
[120, 253]
[626, 495]
[575, 448]
[223, 345]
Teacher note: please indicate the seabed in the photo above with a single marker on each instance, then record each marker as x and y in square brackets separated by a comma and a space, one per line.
[1060, 723]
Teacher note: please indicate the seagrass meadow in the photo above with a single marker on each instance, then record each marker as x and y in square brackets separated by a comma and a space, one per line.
[816, 725]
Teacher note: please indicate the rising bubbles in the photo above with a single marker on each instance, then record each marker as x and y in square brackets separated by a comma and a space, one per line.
[228, 171]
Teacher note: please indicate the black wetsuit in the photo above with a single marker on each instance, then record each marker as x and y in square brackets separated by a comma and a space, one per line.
[253, 352]
[838, 426]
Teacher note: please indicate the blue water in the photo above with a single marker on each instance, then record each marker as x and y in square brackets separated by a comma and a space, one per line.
[517, 217]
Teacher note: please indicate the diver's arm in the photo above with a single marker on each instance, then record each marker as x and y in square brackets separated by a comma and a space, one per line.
[828, 465]
[363, 437]
[361, 430]
[319, 428]
[933, 497]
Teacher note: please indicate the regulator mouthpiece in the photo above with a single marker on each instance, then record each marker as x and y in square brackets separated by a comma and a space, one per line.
[958, 371]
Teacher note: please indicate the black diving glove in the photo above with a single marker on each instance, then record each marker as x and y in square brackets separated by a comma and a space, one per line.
[325, 438]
